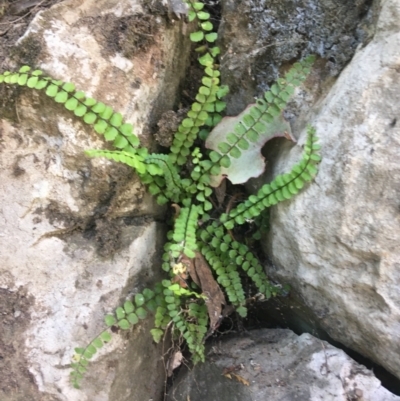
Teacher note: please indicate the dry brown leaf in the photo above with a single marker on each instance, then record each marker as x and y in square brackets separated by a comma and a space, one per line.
[228, 372]
[190, 268]
[240, 379]
[181, 280]
[215, 297]
[231, 369]
[250, 163]
[174, 362]
[177, 209]
[201, 274]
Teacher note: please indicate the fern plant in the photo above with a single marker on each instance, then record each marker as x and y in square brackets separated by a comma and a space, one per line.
[203, 260]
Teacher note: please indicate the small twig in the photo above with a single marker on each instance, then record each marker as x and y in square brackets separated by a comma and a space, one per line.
[56, 233]
[213, 203]
[164, 353]
[283, 42]
[326, 361]
[21, 18]
[4, 32]
[142, 33]
[16, 111]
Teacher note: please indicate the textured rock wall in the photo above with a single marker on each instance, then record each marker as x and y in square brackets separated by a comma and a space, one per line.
[276, 364]
[337, 243]
[260, 37]
[79, 235]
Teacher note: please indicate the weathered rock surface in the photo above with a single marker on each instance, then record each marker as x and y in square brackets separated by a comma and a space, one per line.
[337, 243]
[260, 37]
[79, 235]
[278, 365]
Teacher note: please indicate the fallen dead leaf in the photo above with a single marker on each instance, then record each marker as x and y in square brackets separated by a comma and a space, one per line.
[181, 280]
[177, 209]
[201, 274]
[250, 163]
[230, 369]
[174, 362]
[240, 379]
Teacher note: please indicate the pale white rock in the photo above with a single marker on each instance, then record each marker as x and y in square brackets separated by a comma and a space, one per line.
[79, 235]
[337, 243]
[276, 365]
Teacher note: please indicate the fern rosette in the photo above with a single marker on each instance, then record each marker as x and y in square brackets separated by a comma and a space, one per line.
[201, 256]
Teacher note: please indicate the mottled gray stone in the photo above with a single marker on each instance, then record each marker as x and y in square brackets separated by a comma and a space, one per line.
[278, 366]
[260, 38]
[337, 243]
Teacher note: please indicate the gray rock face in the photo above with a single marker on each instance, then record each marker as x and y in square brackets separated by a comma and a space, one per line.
[276, 364]
[260, 37]
[79, 235]
[337, 243]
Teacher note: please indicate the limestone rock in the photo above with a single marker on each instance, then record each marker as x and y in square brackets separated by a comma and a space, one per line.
[337, 243]
[79, 235]
[274, 365]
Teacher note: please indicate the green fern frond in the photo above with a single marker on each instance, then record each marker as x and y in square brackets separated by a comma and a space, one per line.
[101, 117]
[208, 105]
[167, 259]
[152, 171]
[196, 117]
[226, 255]
[235, 135]
[131, 159]
[194, 329]
[184, 234]
[82, 357]
[187, 312]
[173, 184]
[125, 316]
[282, 188]
[226, 271]
[156, 186]
[199, 187]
